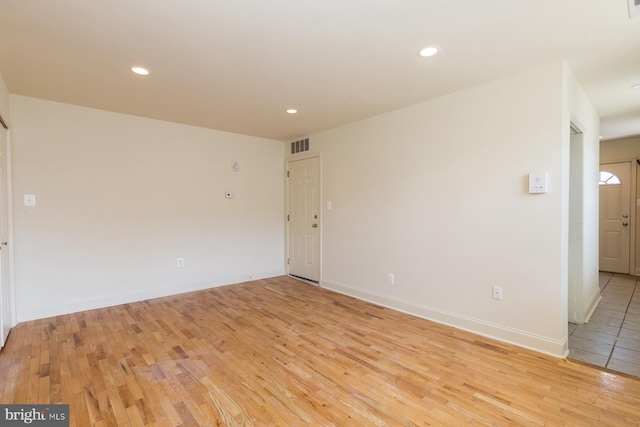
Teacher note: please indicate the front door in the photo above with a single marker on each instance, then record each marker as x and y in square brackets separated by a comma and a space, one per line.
[304, 219]
[615, 216]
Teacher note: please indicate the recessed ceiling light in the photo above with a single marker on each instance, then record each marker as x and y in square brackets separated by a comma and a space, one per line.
[292, 111]
[429, 51]
[636, 86]
[140, 70]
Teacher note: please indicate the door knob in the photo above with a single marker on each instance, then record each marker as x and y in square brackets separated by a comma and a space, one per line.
[625, 223]
[625, 216]
[314, 225]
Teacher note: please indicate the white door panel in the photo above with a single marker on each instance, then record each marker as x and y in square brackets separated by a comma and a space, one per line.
[304, 219]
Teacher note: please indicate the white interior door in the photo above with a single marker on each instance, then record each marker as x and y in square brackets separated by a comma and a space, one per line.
[615, 216]
[304, 219]
[5, 300]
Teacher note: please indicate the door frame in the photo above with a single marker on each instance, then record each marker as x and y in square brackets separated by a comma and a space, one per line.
[289, 160]
[9, 201]
[9, 207]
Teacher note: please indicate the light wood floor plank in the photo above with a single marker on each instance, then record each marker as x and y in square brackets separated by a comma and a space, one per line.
[279, 352]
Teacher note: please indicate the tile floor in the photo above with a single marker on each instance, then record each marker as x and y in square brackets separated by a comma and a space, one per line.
[611, 339]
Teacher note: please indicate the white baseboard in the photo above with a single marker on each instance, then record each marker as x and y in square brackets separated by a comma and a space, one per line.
[491, 330]
[134, 296]
[592, 304]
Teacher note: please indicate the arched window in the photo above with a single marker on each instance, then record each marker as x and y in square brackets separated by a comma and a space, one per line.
[608, 178]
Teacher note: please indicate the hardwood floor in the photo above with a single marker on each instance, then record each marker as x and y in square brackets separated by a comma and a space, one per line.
[280, 352]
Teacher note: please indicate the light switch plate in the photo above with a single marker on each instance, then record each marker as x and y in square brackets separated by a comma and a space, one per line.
[538, 182]
[29, 200]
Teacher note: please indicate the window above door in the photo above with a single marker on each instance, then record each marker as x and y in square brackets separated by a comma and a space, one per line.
[608, 178]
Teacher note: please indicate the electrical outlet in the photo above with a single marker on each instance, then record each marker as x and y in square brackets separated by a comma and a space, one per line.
[180, 262]
[391, 279]
[497, 292]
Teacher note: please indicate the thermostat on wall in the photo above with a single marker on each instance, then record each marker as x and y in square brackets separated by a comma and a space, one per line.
[537, 182]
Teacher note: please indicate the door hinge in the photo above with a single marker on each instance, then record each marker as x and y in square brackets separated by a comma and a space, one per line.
[287, 174]
[287, 217]
[287, 261]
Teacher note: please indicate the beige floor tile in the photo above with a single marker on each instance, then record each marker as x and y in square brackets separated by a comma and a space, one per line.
[604, 276]
[623, 278]
[615, 297]
[629, 344]
[620, 291]
[626, 355]
[588, 357]
[624, 366]
[620, 306]
[608, 317]
[620, 288]
[592, 334]
[628, 324]
[600, 327]
[630, 334]
[632, 317]
[604, 280]
[612, 336]
[577, 343]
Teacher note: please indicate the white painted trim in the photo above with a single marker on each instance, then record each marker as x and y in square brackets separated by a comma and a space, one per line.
[592, 304]
[129, 297]
[10, 240]
[491, 330]
[632, 216]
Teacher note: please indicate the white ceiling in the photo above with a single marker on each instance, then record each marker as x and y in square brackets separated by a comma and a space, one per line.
[237, 65]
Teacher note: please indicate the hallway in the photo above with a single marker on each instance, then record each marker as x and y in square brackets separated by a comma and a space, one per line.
[611, 339]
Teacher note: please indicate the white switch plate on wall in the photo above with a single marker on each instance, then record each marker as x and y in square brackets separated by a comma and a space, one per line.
[29, 200]
[538, 182]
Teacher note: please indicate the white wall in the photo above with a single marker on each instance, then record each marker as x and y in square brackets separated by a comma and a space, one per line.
[119, 198]
[583, 225]
[436, 193]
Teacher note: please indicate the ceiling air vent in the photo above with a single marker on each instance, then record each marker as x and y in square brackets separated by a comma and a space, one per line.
[300, 146]
[634, 8]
